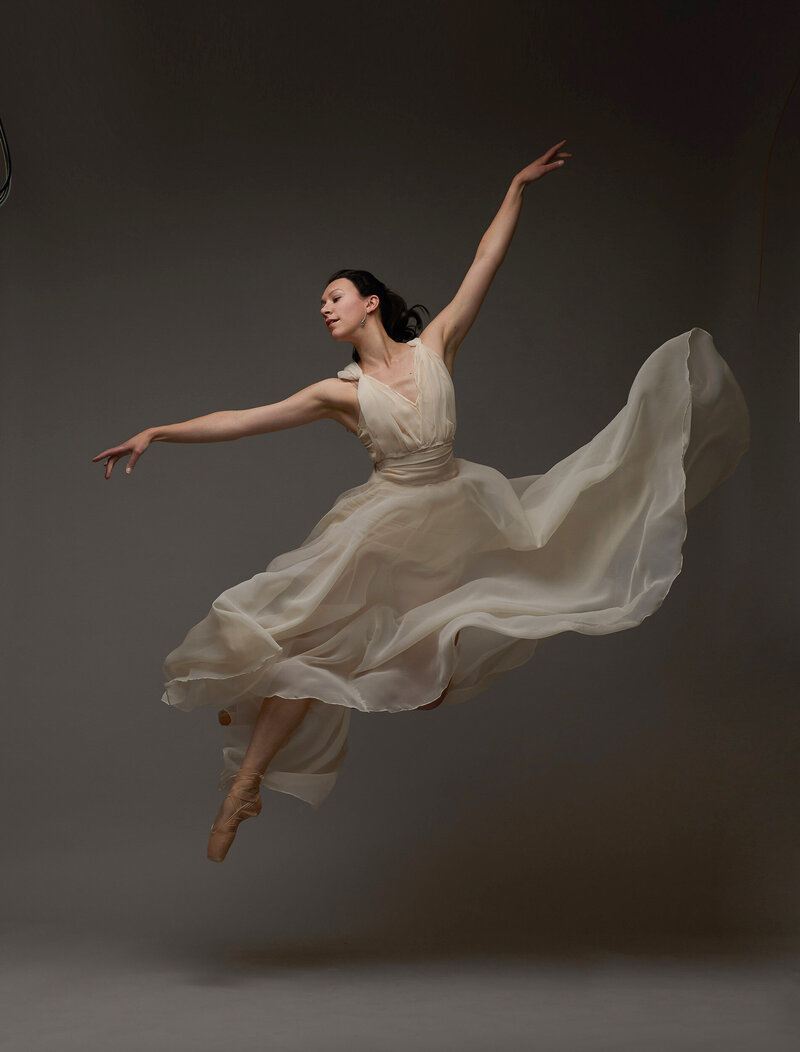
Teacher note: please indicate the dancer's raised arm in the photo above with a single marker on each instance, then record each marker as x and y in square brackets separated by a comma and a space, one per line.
[324, 399]
[452, 324]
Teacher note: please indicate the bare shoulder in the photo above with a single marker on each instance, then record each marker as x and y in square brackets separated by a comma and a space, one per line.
[336, 392]
[340, 400]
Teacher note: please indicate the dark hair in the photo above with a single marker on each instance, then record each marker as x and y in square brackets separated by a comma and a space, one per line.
[402, 323]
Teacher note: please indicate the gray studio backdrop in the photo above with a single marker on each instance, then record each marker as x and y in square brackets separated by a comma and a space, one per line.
[186, 176]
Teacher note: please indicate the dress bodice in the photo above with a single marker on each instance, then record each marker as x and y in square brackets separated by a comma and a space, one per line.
[408, 442]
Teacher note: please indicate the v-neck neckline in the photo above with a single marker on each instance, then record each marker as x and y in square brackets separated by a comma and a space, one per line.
[416, 344]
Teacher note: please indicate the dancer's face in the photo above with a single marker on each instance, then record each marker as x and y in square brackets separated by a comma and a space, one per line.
[342, 301]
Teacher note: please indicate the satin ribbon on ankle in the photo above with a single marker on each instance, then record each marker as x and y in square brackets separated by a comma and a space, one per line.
[248, 772]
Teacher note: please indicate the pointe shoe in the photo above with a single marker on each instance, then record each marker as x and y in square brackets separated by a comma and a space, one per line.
[245, 791]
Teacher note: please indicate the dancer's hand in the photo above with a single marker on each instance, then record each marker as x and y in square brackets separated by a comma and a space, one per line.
[135, 446]
[548, 162]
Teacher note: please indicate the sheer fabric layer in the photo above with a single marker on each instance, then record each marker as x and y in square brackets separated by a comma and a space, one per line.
[439, 570]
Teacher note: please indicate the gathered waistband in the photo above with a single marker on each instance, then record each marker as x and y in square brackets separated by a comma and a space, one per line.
[420, 466]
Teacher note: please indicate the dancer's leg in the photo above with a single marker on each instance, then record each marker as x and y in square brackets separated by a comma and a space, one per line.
[277, 719]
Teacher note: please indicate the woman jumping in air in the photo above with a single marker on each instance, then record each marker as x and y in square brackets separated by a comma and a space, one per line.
[437, 575]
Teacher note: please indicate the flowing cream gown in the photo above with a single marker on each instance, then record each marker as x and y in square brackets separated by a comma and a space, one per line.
[439, 571]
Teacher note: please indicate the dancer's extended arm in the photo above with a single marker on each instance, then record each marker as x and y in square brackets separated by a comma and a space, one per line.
[324, 399]
[452, 324]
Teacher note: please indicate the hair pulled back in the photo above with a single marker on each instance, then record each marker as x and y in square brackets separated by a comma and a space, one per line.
[401, 322]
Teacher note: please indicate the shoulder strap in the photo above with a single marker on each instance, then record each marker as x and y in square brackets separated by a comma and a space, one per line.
[350, 372]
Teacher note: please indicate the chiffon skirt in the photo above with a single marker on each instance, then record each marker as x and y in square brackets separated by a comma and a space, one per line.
[403, 591]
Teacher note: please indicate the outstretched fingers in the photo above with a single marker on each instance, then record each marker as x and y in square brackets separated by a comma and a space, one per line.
[549, 153]
[112, 456]
[554, 151]
[548, 162]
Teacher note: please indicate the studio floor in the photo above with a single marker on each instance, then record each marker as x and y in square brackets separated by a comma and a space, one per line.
[70, 991]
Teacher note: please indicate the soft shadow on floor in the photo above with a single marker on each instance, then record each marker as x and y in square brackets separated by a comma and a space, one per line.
[223, 962]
